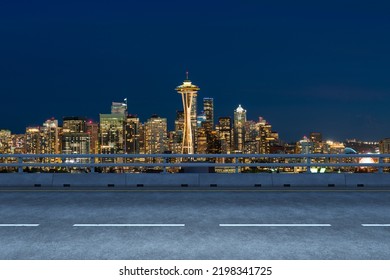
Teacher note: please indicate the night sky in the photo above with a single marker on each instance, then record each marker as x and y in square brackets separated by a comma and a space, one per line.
[302, 65]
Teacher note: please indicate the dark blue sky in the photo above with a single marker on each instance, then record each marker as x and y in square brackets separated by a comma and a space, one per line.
[302, 65]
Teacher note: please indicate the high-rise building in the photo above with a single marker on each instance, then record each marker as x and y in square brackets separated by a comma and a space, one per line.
[5, 141]
[316, 138]
[18, 142]
[76, 143]
[208, 109]
[189, 94]
[112, 133]
[74, 124]
[239, 129]
[50, 138]
[266, 137]
[156, 138]
[132, 135]
[119, 108]
[75, 139]
[179, 129]
[224, 132]
[251, 133]
[93, 131]
[32, 140]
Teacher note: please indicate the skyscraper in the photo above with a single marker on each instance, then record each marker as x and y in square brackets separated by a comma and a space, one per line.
[208, 109]
[32, 140]
[112, 133]
[5, 141]
[239, 128]
[156, 138]
[50, 137]
[119, 108]
[75, 138]
[132, 135]
[93, 131]
[189, 94]
[224, 131]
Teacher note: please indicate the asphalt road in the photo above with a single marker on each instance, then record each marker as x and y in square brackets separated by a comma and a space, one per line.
[195, 225]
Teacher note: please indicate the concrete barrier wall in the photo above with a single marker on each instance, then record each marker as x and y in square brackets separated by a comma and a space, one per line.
[193, 181]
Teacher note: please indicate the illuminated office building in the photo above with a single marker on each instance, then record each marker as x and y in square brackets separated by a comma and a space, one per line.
[112, 133]
[93, 131]
[202, 140]
[200, 119]
[266, 137]
[74, 124]
[18, 142]
[75, 139]
[50, 138]
[251, 133]
[32, 140]
[156, 138]
[5, 142]
[76, 143]
[178, 135]
[208, 109]
[189, 94]
[316, 138]
[132, 135]
[224, 132]
[119, 108]
[239, 129]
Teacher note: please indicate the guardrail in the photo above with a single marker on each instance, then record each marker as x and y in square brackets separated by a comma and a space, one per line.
[310, 163]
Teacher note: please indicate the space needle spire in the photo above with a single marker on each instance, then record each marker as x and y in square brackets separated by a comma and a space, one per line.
[188, 93]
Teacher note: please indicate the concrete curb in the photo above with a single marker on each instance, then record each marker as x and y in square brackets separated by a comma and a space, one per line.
[194, 181]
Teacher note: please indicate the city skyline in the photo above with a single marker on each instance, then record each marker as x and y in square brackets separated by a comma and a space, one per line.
[200, 113]
[305, 66]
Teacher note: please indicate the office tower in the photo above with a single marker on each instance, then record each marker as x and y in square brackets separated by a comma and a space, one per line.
[132, 135]
[119, 108]
[239, 129]
[50, 138]
[189, 94]
[156, 138]
[5, 142]
[266, 137]
[224, 132]
[32, 140]
[251, 134]
[173, 145]
[179, 128]
[74, 124]
[18, 142]
[316, 138]
[76, 143]
[208, 109]
[93, 131]
[75, 139]
[112, 133]
[202, 140]
[213, 143]
[141, 131]
[200, 119]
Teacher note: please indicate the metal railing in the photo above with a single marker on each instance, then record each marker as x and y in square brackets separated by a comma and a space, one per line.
[311, 163]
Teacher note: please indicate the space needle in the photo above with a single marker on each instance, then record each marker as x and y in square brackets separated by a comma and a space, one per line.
[188, 93]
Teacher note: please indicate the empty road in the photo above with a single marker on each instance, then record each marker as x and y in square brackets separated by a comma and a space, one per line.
[195, 225]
